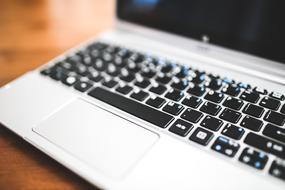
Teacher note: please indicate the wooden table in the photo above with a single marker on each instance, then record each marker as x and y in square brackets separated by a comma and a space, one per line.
[31, 33]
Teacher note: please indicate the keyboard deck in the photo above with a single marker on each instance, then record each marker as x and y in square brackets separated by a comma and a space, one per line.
[233, 118]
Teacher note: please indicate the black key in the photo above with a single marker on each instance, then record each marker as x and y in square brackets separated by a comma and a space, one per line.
[252, 97]
[57, 73]
[251, 123]
[201, 136]
[110, 83]
[225, 146]
[167, 68]
[148, 73]
[230, 115]
[233, 131]
[244, 85]
[158, 89]
[81, 69]
[132, 107]
[184, 72]
[214, 96]
[232, 90]
[132, 66]
[211, 123]
[113, 70]
[275, 118]
[227, 80]
[173, 108]
[46, 71]
[100, 65]
[180, 84]
[69, 80]
[175, 95]
[95, 76]
[124, 89]
[126, 75]
[181, 128]
[253, 158]
[82, 86]
[233, 103]
[164, 79]
[265, 144]
[274, 132]
[277, 95]
[277, 169]
[270, 103]
[143, 83]
[139, 95]
[192, 101]
[196, 90]
[283, 109]
[199, 78]
[215, 84]
[260, 90]
[210, 108]
[192, 115]
[155, 101]
[253, 110]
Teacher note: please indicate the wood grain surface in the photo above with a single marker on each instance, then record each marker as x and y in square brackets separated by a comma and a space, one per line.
[31, 33]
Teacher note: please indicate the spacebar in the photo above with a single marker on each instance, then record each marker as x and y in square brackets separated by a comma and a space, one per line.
[142, 111]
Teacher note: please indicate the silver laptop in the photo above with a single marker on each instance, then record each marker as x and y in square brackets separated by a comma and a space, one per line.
[178, 95]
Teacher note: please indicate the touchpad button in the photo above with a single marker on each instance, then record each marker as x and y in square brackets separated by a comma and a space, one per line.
[105, 141]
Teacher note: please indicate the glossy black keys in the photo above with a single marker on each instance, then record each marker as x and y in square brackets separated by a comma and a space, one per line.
[201, 136]
[251, 123]
[124, 89]
[274, 132]
[181, 128]
[175, 95]
[173, 108]
[214, 96]
[192, 115]
[211, 123]
[244, 85]
[225, 146]
[184, 72]
[232, 90]
[233, 103]
[253, 110]
[95, 76]
[265, 144]
[110, 83]
[197, 90]
[233, 131]
[139, 95]
[192, 101]
[158, 89]
[100, 65]
[230, 115]
[215, 84]
[277, 169]
[199, 78]
[252, 97]
[143, 83]
[81, 69]
[180, 84]
[82, 86]
[130, 106]
[127, 76]
[69, 80]
[162, 78]
[148, 73]
[260, 90]
[275, 118]
[210, 108]
[167, 67]
[277, 95]
[57, 73]
[283, 109]
[270, 103]
[155, 101]
[253, 158]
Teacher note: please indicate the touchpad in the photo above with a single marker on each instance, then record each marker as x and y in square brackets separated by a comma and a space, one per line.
[105, 141]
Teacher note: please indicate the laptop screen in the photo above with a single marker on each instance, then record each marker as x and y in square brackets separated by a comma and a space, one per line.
[252, 26]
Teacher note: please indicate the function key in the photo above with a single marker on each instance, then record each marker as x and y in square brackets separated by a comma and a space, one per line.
[253, 158]
[260, 90]
[139, 95]
[211, 123]
[252, 97]
[214, 96]
[201, 136]
[277, 169]
[230, 115]
[180, 84]
[233, 131]
[274, 132]
[210, 108]
[155, 101]
[173, 108]
[277, 95]
[251, 123]
[192, 101]
[275, 118]
[82, 86]
[181, 128]
[232, 90]
[124, 89]
[233, 103]
[270, 103]
[158, 89]
[215, 84]
[197, 90]
[175, 95]
[253, 110]
[225, 146]
[192, 115]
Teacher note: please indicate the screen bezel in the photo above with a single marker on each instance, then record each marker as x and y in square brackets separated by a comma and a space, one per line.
[236, 58]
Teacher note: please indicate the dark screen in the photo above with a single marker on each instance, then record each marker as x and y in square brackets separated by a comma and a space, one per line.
[253, 26]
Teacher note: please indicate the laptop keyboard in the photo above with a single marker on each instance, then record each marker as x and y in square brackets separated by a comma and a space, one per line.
[233, 118]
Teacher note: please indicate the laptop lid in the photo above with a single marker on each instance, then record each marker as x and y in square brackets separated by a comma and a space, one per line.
[248, 31]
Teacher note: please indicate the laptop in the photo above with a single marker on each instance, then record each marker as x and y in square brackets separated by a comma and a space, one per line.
[178, 95]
